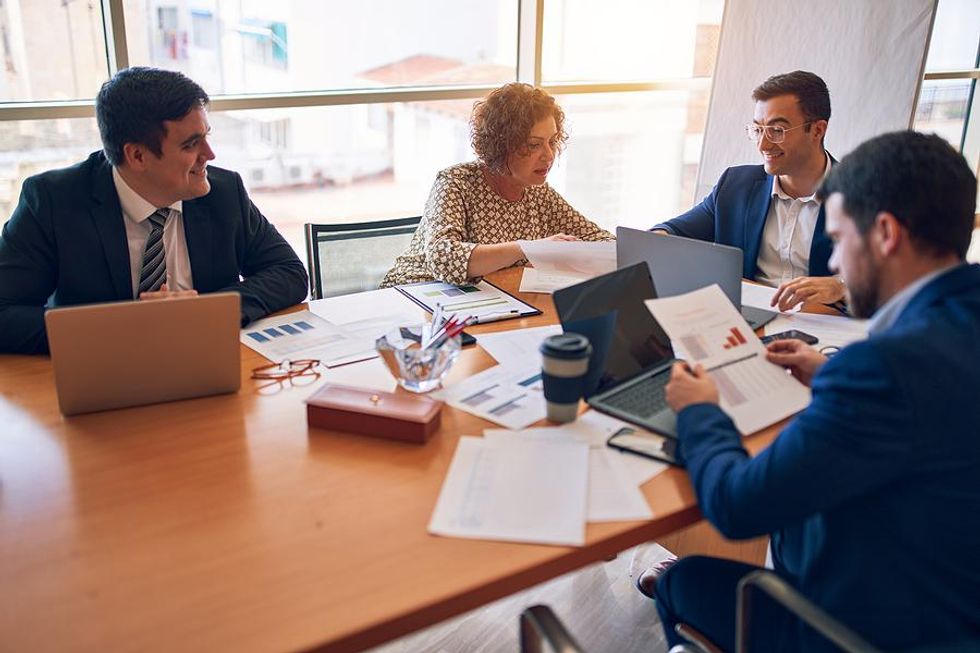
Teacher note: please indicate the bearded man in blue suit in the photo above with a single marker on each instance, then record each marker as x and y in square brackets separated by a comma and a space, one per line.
[871, 494]
[771, 211]
[144, 218]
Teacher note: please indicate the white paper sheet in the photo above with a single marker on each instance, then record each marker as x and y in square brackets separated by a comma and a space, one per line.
[516, 491]
[594, 428]
[306, 335]
[505, 396]
[519, 347]
[562, 263]
[571, 258]
[613, 496]
[535, 280]
[754, 392]
[835, 330]
[303, 335]
[759, 297]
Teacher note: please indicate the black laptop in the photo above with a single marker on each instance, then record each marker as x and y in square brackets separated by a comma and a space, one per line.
[632, 355]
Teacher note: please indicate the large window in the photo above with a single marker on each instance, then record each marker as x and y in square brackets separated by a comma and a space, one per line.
[948, 99]
[344, 111]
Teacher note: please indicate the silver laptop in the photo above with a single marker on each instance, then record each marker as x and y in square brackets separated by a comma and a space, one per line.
[133, 353]
[680, 265]
[631, 354]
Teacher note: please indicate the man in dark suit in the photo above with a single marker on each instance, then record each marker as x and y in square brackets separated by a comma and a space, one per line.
[770, 211]
[871, 494]
[145, 218]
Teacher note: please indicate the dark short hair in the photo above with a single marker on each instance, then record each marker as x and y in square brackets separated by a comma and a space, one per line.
[918, 178]
[502, 121]
[809, 89]
[132, 106]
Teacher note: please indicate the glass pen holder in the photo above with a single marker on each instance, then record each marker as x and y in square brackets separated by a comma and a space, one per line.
[417, 369]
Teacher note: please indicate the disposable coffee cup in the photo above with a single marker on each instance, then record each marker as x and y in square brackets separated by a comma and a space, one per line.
[564, 362]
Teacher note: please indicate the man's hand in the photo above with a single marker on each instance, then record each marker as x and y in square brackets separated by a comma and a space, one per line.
[164, 293]
[823, 290]
[688, 387]
[796, 356]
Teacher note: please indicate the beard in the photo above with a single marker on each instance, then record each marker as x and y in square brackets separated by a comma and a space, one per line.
[863, 293]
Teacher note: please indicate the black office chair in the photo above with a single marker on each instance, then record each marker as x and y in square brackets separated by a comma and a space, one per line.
[540, 628]
[351, 257]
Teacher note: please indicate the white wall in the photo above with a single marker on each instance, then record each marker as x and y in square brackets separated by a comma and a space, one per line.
[870, 53]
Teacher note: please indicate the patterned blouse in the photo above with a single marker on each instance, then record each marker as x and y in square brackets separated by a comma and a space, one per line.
[463, 211]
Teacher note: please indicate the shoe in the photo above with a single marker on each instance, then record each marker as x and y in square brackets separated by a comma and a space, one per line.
[646, 582]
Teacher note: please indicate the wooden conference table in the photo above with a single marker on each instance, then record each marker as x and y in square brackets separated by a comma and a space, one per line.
[224, 523]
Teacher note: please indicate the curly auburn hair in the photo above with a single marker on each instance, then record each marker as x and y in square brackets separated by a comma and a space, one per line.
[502, 121]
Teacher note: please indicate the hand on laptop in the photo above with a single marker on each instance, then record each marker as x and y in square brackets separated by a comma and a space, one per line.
[799, 358]
[690, 386]
[164, 293]
[562, 237]
[824, 290]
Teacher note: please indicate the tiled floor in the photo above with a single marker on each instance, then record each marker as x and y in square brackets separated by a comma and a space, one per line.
[598, 604]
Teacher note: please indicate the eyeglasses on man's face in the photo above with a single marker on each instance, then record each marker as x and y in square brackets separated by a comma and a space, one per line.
[774, 133]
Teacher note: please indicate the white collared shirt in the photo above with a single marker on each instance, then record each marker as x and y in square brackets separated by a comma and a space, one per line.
[135, 211]
[784, 253]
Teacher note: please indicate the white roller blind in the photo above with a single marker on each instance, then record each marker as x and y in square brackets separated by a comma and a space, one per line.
[870, 53]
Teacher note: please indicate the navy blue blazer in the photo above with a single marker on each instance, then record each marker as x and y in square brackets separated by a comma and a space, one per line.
[734, 213]
[872, 494]
[66, 244]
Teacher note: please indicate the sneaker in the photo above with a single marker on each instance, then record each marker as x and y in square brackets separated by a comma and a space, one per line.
[646, 582]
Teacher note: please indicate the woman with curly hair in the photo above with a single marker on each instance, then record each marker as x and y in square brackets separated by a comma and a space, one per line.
[477, 211]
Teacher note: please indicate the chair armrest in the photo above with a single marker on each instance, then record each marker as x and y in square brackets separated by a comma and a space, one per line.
[540, 627]
[796, 604]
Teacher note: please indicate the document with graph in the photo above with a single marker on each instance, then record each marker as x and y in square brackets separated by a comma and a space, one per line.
[712, 332]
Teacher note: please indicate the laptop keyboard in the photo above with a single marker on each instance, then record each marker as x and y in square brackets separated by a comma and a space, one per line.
[643, 399]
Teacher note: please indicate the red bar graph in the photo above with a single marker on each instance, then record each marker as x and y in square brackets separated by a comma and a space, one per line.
[735, 339]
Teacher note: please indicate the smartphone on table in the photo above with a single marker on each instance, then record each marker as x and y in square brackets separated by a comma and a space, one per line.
[792, 334]
[646, 444]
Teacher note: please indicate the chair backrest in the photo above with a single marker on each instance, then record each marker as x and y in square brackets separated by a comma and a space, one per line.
[780, 592]
[351, 257]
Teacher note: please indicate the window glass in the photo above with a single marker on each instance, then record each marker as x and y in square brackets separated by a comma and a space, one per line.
[619, 40]
[28, 147]
[955, 36]
[632, 158]
[341, 164]
[256, 46]
[51, 49]
[942, 108]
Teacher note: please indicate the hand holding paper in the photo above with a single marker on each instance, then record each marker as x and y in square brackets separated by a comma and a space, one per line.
[753, 391]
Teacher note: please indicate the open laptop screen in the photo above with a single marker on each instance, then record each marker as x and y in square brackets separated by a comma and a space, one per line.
[638, 343]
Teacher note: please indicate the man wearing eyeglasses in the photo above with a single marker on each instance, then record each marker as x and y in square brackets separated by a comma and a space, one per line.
[771, 211]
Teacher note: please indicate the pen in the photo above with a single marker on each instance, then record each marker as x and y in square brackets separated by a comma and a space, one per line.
[494, 317]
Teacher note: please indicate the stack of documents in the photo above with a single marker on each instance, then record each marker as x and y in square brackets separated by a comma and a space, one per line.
[541, 485]
[558, 264]
[712, 332]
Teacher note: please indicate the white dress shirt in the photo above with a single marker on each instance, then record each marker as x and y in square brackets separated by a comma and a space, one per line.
[784, 253]
[135, 211]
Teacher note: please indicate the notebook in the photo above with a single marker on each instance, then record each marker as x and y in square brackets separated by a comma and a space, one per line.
[124, 354]
[680, 265]
[632, 355]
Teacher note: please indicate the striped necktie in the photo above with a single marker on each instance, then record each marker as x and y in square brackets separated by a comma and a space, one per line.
[154, 271]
